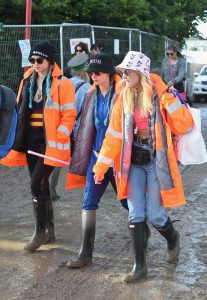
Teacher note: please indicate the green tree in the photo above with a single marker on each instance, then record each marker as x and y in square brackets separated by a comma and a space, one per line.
[176, 19]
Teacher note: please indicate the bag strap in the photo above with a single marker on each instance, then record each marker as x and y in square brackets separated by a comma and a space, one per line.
[176, 94]
[171, 74]
[79, 85]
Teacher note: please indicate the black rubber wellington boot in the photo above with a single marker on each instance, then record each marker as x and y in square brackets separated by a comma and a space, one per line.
[147, 235]
[39, 236]
[138, 236]
[88, 230]
[173, 241]
[50, 228]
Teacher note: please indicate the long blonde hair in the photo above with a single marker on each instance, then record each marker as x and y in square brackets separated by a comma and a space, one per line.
[131, 98]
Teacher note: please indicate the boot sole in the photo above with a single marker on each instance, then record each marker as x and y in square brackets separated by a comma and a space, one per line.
[69, 265]
[139, 278]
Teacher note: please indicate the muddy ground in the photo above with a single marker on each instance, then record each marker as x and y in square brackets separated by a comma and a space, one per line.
[38, 275]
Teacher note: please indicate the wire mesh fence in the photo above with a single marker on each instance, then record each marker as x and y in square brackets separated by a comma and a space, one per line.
[11, 70]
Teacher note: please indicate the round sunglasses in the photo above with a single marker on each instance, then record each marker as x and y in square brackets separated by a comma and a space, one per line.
[38, 60]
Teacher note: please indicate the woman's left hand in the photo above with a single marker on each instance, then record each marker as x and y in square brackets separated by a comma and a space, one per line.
[98, 178]
[170, 84]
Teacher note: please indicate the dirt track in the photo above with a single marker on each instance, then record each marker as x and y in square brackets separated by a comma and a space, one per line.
[38, 275]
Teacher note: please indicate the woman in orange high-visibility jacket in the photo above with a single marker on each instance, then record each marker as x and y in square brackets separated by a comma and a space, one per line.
[46, 117]
[139, 142]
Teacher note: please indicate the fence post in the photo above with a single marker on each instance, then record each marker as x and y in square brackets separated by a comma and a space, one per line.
[140, 41]
[61, 49]
[130, 40]
[92, 34]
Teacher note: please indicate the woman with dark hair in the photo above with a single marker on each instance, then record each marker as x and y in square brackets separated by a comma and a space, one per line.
[46, 117]
[81, 48]
[174, 68]
[95, 115]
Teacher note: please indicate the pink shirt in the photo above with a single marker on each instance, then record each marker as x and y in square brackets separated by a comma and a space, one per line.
[140, 121]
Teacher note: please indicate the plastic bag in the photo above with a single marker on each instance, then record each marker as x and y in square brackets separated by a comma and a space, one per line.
[190, 147]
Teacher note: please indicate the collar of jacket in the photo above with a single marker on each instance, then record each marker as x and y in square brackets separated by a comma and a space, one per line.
[56, 75]
[56, 72]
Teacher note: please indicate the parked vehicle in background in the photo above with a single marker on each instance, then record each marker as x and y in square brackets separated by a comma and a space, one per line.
[200, 85]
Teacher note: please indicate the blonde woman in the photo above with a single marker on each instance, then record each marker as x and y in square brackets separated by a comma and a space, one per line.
[138, 141]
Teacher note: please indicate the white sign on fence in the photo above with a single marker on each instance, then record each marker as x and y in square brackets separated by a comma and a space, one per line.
[116, 46]
[25, 50]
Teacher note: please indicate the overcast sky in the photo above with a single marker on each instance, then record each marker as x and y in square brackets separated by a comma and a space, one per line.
[203, 29]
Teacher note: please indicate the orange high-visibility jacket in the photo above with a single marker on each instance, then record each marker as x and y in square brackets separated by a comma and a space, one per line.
[171, 117]
[59, 119]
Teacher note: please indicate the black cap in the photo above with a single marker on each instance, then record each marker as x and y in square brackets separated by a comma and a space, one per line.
[78, 62]
[45, 50]
[101, 62]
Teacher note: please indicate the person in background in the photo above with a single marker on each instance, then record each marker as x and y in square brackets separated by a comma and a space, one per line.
[95, 49]
[139, 143]
[173, 71]
[81, 48]
[78, 65]
[80, 79]
[8, 119]
[46, 117]
[95, 116]
[173, 68]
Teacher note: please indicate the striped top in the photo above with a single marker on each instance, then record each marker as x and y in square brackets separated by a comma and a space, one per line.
[36, 117]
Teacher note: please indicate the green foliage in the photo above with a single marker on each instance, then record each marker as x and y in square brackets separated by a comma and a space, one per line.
[173, 18]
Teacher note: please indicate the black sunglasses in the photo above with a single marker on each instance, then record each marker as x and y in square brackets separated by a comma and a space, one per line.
[79, 50]
[95, 73]
[169, 53]
[38, 60]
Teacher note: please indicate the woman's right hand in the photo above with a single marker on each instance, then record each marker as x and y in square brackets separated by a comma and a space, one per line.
[98, 178]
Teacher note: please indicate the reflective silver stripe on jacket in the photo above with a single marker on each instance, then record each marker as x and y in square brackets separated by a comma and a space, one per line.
[55, 105]
[59, 146]
[105, 160]
[173, 107]
[64, 129]
[67, 106]
[115, 133]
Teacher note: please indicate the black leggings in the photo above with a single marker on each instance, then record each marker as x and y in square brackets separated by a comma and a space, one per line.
[39, 174]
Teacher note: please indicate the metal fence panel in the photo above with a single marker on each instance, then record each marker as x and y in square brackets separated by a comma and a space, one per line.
[59, 35]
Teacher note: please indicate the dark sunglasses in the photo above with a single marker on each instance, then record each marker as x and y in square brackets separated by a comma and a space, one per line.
[38, 60]
[169, 53]
[95, 73]
[79, 50]
[125, 72]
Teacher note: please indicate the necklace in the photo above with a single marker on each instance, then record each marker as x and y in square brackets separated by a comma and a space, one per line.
[38, 96]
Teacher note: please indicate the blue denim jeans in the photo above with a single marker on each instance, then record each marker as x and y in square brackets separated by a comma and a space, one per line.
[144, 199]
[93, 192]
